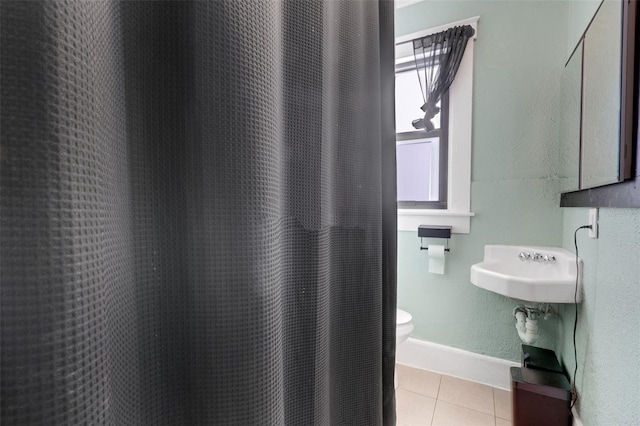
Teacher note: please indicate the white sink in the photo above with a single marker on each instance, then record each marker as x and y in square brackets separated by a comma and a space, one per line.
[546, 280]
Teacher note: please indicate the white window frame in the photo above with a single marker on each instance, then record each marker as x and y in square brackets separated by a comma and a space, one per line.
[458, 212]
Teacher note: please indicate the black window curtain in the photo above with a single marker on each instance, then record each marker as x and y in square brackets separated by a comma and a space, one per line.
[197, 213]
[437, 58]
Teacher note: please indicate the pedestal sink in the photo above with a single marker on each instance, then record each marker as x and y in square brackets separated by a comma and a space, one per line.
[529, 273]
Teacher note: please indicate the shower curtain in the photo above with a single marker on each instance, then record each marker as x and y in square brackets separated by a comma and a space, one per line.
[197, 213]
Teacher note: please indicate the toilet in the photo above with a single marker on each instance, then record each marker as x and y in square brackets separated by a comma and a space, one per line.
[404, 327]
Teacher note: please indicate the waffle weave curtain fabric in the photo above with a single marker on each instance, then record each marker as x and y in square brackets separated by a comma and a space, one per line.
[197, 213]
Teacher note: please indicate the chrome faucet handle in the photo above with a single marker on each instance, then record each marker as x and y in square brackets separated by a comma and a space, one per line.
[545, 258]
[552, 259]
[524, 256]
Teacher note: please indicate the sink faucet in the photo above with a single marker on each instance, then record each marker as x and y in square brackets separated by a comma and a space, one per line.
[524, 256]
[537, 257]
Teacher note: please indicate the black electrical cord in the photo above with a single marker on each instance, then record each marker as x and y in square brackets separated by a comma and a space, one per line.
[574, 393]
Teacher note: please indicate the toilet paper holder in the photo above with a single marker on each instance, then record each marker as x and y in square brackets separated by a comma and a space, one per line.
[428, 231]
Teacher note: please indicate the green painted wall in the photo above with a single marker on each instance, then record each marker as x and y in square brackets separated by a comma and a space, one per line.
[518, 63]
[608, 333]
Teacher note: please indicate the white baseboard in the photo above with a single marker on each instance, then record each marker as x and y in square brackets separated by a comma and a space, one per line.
[576, 418]
[456, 362]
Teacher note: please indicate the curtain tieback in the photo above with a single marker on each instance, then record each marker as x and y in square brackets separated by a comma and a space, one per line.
[430, 111]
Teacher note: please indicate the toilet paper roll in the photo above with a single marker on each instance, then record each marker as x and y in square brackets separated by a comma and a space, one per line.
[436, 259]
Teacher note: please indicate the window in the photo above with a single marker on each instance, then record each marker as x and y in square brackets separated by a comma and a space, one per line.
[421, 179]
[434, 168]
[421, 156]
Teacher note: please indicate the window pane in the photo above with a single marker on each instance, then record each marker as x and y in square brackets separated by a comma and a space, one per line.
[418, 170]
[409, 100]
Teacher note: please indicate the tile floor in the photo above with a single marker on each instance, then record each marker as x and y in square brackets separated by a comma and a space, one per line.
[424, 398]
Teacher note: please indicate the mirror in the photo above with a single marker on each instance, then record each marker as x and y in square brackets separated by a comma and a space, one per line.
[625, 191]
[570, 114]
[601, 76]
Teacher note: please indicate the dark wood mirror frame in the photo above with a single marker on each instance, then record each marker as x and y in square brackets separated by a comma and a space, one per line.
[627, 192]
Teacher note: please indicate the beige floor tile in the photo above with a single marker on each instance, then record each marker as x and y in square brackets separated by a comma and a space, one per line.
[454, 415]
[502, 400]
[467, 394]
[418, 381]
[502, 422]
[413, 409]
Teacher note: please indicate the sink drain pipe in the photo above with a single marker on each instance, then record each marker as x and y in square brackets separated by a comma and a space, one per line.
[527, 328]
[527, 323]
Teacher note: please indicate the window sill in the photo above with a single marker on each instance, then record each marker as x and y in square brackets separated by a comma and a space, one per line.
[410, 219]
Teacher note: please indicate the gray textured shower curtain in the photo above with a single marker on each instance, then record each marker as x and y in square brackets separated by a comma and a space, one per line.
[197, 213]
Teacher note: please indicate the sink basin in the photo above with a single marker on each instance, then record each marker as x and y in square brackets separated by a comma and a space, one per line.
[523, 272]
